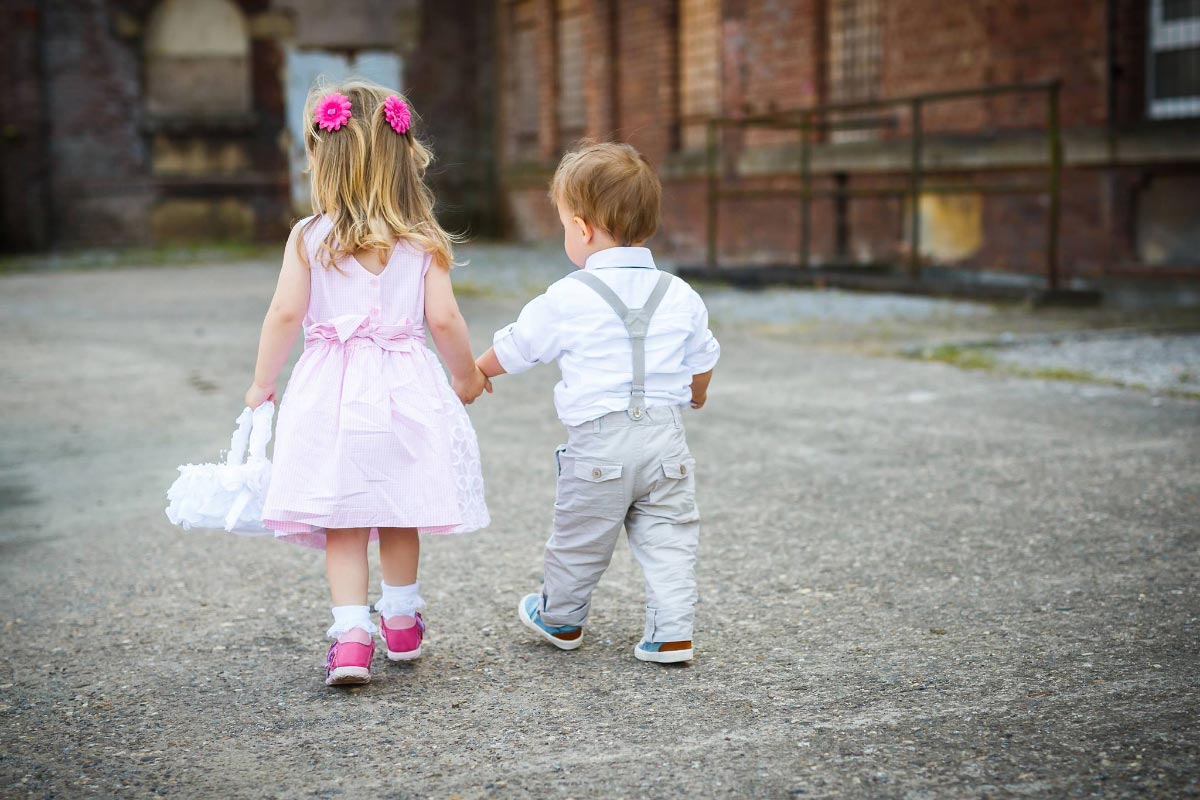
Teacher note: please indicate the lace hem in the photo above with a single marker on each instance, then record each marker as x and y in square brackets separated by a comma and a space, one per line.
[336, 630]
[400, 608]
[468, 466]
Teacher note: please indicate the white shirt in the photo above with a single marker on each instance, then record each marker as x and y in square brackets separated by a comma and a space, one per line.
[573, 325]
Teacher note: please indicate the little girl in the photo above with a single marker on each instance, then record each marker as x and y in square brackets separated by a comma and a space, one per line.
[371, 442]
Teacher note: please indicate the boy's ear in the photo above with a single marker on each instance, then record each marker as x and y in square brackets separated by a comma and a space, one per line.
[585, 230]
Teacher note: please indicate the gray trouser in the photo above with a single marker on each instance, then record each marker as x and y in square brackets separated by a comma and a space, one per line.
[618, 471]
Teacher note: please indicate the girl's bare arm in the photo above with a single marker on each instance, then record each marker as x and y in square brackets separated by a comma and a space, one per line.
[281, 324]
[449, 331]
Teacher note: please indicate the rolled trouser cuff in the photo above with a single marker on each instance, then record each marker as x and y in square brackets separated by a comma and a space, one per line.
[673, 624]
[576, 617]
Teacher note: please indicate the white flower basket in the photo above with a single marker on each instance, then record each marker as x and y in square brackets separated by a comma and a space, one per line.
[228, 496]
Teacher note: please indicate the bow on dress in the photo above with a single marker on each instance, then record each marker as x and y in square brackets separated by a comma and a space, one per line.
[397, 338]
[402, 411]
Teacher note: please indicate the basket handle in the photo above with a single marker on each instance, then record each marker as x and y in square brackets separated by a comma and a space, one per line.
[252, 434]
[237, 445]
[260, 432]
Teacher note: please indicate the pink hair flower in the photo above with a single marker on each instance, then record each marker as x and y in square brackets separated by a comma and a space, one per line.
[397, 114]
[332, 112]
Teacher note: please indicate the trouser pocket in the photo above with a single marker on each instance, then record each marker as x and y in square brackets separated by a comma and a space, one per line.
[673, 495]
[590, 488]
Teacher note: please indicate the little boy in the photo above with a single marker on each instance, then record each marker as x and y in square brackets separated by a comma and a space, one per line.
[634, 347]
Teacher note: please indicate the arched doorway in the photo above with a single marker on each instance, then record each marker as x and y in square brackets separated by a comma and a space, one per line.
[197, 59]
[215, 158]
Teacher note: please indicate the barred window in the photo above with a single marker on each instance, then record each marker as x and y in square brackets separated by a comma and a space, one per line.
[523, 87]
[855, 57]
[699, 69]
[572, 103]
[1174, 59]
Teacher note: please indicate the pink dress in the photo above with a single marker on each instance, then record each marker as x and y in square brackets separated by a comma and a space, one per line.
[369, 432]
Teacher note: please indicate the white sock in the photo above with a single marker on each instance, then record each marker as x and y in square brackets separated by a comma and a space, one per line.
[399, 600]
[346, 618]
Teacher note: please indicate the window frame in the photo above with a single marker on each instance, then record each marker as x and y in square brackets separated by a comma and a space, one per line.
[853, 62]
[1163, 37]
[570, 131]
[523, 142]
[689, 117]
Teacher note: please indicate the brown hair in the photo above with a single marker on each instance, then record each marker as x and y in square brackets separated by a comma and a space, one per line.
[612, 187]
[370, 180]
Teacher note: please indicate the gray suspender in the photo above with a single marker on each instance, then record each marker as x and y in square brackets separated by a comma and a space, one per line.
[637, 321]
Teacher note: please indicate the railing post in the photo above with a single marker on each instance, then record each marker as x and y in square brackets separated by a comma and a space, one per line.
[1055, 190]
[805, 189]
[914, 256]
[711, 146]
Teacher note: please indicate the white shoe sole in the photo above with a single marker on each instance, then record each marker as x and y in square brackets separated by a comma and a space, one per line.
[348, 676]
[407, 655]
[561, 644]
[669, 657]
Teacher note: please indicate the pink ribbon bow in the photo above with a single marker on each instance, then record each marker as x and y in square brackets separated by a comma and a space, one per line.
[397, 338]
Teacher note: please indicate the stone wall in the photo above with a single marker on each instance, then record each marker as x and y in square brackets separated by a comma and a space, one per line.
[146, 121]
[24, 200]
[98, 163]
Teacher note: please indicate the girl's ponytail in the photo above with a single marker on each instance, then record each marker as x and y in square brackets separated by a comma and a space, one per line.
[401, 204]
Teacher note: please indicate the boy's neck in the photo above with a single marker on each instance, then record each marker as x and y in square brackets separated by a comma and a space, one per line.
[609, 245]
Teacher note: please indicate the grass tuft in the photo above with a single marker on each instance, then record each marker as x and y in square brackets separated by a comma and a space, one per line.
[198, 253]
[977, 357]
[1061, 374]
[965, 357]
[471, 289]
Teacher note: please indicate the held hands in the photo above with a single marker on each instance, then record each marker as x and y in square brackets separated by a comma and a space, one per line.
[471, 386]
[256, 395]
[467, 389]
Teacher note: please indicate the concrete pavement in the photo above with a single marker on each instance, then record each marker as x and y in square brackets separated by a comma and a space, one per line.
[916, 581]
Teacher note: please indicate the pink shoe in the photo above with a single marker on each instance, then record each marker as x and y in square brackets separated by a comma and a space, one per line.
[402, 636]
[349, 659]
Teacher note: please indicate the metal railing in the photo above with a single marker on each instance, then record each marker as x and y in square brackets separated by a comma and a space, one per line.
[807, 121]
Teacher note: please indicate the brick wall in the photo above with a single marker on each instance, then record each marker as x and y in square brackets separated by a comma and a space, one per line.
[765, 56]
[647, 96]
[774, 54]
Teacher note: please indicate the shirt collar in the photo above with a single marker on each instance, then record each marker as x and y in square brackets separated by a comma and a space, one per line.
[636, 257]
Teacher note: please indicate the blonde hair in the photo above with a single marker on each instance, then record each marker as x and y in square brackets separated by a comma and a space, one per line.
[370, 180]
[612, 187]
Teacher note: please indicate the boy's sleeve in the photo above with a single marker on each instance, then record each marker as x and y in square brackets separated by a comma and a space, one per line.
[533, 339]
[702, 349]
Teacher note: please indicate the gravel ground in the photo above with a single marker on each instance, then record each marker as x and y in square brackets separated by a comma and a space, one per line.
[916, 581]
[522, 271]
[1159, 363]
[775, 306]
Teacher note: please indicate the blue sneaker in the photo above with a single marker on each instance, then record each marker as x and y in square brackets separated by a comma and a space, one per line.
[565, 637]
[663, 652]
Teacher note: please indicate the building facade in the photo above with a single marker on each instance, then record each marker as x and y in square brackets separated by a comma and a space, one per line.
[653, 72]
[143, 121]
[147, 121]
